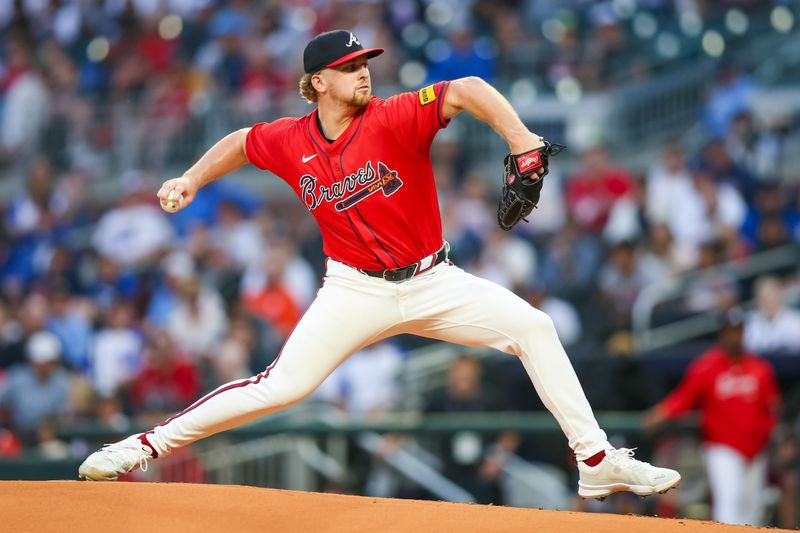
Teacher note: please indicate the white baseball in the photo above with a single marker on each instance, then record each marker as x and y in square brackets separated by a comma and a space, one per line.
[173, 202]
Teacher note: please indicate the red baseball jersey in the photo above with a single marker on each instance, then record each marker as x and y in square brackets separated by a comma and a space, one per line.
[371, 190]
[738, 399]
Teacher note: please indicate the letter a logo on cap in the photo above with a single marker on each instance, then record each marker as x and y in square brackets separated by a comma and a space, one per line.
[353, 40]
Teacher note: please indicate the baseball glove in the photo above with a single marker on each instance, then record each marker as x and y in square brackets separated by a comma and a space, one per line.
[522, 183]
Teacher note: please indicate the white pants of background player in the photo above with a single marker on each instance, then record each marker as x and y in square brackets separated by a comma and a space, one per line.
[737, 485]
[353, 310]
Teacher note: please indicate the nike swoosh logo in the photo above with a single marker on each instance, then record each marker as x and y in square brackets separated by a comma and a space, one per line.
[306, 159]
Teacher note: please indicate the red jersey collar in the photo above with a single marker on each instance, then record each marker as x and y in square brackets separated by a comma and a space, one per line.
[346, 135]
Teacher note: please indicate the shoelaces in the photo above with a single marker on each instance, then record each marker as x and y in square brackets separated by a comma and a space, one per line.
[132, 454]
[626, 455]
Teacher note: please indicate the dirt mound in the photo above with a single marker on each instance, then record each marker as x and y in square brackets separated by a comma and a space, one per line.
[171, 507]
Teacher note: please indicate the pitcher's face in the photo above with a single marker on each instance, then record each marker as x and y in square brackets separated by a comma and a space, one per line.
[349, 83]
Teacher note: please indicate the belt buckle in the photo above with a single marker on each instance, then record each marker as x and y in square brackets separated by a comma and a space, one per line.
[401, 273]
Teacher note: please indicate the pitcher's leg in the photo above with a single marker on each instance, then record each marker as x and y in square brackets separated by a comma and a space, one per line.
[336, 325]
[464, 309]
[457, 307]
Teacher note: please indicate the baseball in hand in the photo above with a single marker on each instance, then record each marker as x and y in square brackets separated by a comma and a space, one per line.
[173, 202]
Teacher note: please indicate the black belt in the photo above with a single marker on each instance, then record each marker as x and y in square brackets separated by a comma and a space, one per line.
[404, 273]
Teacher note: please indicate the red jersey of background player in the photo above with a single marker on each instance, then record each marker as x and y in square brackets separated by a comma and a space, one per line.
[372, 189]
[738, 399]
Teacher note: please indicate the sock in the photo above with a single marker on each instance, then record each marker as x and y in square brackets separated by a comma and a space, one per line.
[595, 459]
[143, 438]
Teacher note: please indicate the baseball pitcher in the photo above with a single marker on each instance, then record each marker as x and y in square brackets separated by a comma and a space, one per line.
[361, 165]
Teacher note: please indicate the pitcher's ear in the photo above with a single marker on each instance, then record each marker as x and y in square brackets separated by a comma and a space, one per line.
[318, 82]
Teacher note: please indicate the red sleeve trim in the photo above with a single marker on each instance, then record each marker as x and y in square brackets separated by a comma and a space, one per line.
[442, 121]
[252, 156]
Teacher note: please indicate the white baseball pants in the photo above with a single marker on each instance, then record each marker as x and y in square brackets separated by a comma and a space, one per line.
[737, 485]
[353, 310]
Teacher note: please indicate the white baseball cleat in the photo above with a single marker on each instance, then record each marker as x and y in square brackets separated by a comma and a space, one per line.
[107, 463]
[619, 471]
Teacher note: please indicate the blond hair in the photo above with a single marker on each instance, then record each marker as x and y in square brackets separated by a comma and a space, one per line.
[307, 90]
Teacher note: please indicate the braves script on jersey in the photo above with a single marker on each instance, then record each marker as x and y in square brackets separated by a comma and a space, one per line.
[372, 189]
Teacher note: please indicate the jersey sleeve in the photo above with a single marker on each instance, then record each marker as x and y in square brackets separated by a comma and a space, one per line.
[416, 117]
[260, 144]
[689, 394]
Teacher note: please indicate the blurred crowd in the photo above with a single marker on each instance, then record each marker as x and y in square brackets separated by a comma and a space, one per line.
[119, 313]
[83, 77]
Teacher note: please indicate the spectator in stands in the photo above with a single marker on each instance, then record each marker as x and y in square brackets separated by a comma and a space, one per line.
[730, 95]
[472, 461]
[608, 58]
[199, 321]
[659, 257]
[10, 335]
[739, 400]
[37, 390]
[116, 354]
[595, 187]
[758, 151]
[31, 318]
[71, 322]
[461, 56]
[771, 200]
[106, 281]
[26, 103]
[271, 297]
[174, 270]
[168, 381]
[469, 219]
[669, 183]
[236, 235]
[231, 362]
[570, 262]
[32, 220]
[714, 287]
[136, 230]
[224, 57]
[772, 233]
[773, 327]
[723, 169]
[619, 282]
[165, 116]
[67, 137]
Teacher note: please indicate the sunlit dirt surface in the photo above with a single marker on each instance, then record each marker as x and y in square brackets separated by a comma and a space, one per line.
[175, 507]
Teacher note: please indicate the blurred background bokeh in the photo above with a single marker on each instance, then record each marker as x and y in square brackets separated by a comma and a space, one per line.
[676, 199]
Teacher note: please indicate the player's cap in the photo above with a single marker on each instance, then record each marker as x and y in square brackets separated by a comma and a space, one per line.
[334, 48]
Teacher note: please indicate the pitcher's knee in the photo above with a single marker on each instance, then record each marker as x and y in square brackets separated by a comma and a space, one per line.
[539, 322]
[533, 328]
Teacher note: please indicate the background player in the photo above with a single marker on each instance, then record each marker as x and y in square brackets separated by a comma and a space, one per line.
[738, 396]
[362, 167]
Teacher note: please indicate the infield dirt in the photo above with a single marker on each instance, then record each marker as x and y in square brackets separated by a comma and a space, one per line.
[174, 507]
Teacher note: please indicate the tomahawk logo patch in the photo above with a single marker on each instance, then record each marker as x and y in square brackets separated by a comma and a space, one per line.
[344, 192]
[427, 95]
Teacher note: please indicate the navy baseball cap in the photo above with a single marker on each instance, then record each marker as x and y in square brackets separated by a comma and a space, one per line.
[334, 48]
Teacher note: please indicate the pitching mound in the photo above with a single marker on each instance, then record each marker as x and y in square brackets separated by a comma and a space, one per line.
[170, 507]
